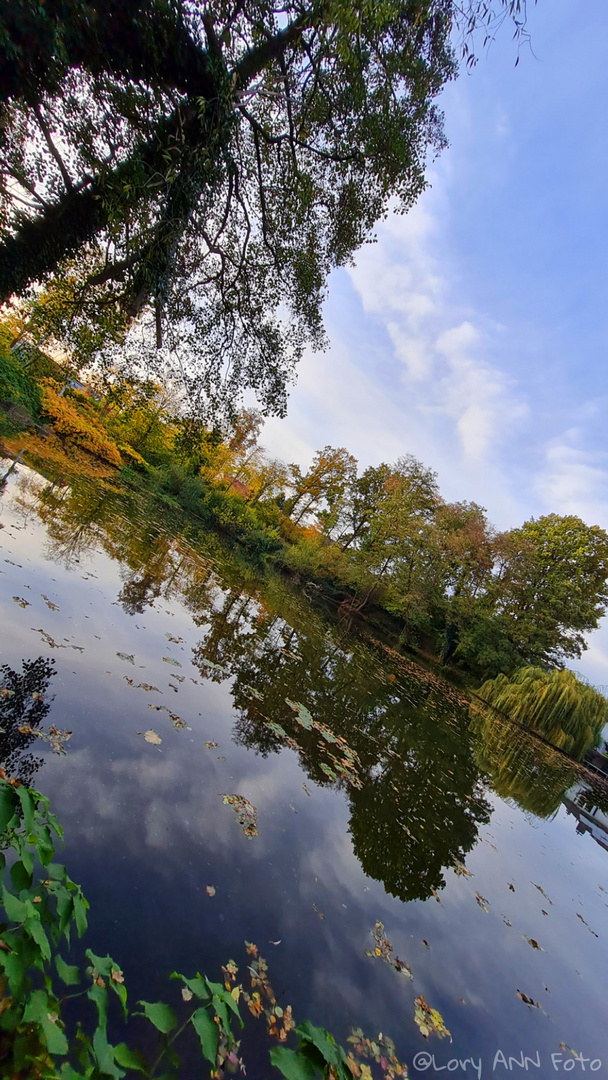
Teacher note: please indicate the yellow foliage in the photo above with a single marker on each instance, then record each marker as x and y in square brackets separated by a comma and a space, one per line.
[70, 423]
[50, 452]
[132, 456]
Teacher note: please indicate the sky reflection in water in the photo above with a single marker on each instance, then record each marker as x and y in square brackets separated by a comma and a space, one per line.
[146, 828]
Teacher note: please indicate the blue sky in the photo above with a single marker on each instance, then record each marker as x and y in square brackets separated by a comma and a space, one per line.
[474, 333]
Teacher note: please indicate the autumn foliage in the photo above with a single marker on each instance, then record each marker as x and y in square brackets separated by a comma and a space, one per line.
[78, 424]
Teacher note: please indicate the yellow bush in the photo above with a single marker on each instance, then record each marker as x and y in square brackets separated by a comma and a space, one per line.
[85, 430]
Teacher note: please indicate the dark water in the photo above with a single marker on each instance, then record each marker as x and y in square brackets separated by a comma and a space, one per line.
[378, 798]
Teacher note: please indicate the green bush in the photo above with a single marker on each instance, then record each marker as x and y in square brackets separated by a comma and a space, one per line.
[16, 386]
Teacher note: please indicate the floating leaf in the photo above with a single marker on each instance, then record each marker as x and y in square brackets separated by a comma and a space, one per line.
[49, 603]
[481, 900]
[21, 602]
[246, 813]
[150, 736]
[428, 1020]
[210, 890]
[527, 1000]
[170, 660]
[384, 951]
[212, 745]
[532, 942]
[175, 640]
[127, 657]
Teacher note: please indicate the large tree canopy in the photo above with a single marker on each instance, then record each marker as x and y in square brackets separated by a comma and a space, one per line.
[206, 165]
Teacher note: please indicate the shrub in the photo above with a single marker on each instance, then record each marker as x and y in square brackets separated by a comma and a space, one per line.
[78, 425]
[16, 386]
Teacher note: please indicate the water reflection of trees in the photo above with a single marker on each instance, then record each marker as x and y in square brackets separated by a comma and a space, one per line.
[420, 802]
[23, 707]
[519, 766]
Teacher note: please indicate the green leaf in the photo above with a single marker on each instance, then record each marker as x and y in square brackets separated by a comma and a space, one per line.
[130, 1059]
[15, 908]
[14, 969]
[104, 1054]
[103, 964]
[160, 1015]
[45, 848]
[27, 806]
[68, 973]
[81, 907]
[34, 929]
[99, 995]
[221, 1010]
[39, 1011]
[198, 985]
[323, 1041]
[291, 1064]
[207, 1032]
[7, 805]
[20, 876]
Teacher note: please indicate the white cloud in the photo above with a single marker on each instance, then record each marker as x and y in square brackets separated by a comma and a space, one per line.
[574, 480]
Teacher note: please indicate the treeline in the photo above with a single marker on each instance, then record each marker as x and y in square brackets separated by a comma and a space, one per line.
[381, 541]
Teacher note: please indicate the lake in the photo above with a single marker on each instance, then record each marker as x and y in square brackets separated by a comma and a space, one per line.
[243, 768]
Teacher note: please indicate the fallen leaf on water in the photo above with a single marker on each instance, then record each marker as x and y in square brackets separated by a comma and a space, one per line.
[506, 921]
[210, 890]
[425, 943]
[320, 914]
[49, 603]
[306, 789]
[275, 942]
[186, 994]
[542, 891]
[543, 912]
[170, 660]
[126, 656]
[461, 870]
[176, 640]
[512, 887]
[532, 942]
[245, 812]
[22, 603]
[527, 1000]
[564, 1046]
[150, 736]
[481, 900]
[147, 687]
[212, 745]
[251, 949]
[428, 1020]
[586, 924]
[384, 951]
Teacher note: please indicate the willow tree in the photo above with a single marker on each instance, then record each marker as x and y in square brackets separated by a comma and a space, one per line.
[565, 711]
[207, 164]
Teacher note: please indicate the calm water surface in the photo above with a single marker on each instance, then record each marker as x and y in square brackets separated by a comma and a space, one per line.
[377, 797]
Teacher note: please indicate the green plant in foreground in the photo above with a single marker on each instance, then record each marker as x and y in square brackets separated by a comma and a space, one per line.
[42, 905]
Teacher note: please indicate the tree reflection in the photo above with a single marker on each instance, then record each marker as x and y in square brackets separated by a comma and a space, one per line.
[418, 803]
[519, 766]
[22, 709]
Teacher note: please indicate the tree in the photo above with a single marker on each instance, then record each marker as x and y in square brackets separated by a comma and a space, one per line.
[216, 162]
[555, 704]
[327, 480]
[550, 586]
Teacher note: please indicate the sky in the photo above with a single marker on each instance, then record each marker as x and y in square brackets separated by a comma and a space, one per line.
[473, 333]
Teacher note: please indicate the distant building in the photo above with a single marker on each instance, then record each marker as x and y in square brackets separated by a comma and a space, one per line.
[590, 819]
